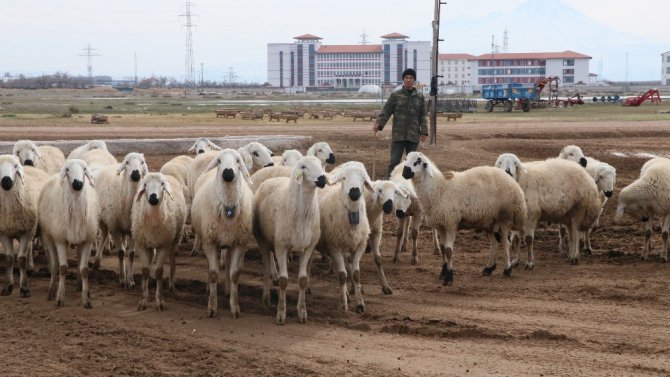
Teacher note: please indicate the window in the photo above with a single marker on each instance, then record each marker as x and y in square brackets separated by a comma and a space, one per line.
[569, 62]
[568, 79]
[667, 58]
[568, 71]
[667, 70]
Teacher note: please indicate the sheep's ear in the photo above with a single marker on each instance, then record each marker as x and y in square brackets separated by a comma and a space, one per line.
[213, 146]
[145, 166]
[192, 149]
[519, 169]
[429, 169]
[245, 172]
[311, 151]
[20, 172]
[122, 167]
[140, 191]
[212, 164]
[368, 182]
[63, 174]
[297, 175]
[333, 179]
[168, 189]
[619, 212]
[87, 174]
[248, 160]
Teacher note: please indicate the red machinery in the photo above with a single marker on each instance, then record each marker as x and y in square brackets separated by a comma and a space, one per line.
[651, 94]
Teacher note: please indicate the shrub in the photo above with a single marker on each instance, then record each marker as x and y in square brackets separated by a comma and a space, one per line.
[73, 110]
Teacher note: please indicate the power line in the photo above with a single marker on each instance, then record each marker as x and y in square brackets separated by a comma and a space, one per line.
[189, 74]
[89, 61]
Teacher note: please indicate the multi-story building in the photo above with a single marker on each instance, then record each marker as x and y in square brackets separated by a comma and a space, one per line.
[454, 69]
[665, 68]
[307, 64]
[570, 67]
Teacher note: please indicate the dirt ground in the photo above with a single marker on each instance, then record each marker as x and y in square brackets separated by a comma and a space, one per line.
[607, 316]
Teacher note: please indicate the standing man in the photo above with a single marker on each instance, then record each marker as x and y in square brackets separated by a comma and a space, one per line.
[410, 124]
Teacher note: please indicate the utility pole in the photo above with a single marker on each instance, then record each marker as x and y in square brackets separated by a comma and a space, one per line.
[433, 73]
[189, 73]
[136, 68]
[202, 79]
[89, 55]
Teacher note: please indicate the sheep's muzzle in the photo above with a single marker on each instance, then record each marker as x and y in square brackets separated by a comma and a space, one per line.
[201, 151]
[321, 181]
[135, 176]
[228, 175]
[270, 164]
[331, 159]
[609, 194]
[388, 206]
[400, 213]
[6, 183]
[354, 193]
[29, 163]
[153, 199]
[407, 173]
[77, 185]
[582, 161]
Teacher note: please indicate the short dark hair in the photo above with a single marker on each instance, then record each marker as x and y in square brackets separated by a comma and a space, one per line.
[409, 72]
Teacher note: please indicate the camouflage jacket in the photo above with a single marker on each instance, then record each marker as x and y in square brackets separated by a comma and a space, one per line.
[408, 108]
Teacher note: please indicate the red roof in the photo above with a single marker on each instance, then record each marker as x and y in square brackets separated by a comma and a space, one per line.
[307, 36]
[394, 35]
[534, 55]
[456, 57]
[339, 49]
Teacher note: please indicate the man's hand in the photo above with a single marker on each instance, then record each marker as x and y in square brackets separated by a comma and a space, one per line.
[423, 138]
[375, 128]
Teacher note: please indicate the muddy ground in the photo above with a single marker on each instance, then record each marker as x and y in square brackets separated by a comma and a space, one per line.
[607, 316]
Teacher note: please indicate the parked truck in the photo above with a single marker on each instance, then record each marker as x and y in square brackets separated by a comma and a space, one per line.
[509, 95]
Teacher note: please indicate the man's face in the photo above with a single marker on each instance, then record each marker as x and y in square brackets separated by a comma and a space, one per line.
[408, 81]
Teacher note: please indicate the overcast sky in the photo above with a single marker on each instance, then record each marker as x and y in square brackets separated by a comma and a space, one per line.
[47, 36]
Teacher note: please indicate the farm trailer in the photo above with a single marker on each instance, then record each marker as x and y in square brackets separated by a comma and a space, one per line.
[507, 95]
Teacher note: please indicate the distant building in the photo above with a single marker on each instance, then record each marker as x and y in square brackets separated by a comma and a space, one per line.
[665, 68]
[454, 69]
[307, 64]
[569, 66]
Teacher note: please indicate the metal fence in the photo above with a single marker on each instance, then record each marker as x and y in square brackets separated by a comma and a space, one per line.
[456, 105]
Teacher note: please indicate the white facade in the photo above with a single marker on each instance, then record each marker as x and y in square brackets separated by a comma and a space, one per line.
[454, 69]
[307, 64]
[570, 67]
[665, 68]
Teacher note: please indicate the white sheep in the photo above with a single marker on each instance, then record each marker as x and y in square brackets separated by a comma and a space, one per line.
[344, 225]
[68, 217]
[116, 187]
[45, 157]
[222, 216]
[202, 145]
[557, 191]
[178, 168]
[98, 159]
[287, 219]
[288, 158]
[91, 145]
[604, 175]
[410, 216]
[322, 151]
[573, 153]
[158, 217]
[21, 187]
[646, 198]
[482, 198]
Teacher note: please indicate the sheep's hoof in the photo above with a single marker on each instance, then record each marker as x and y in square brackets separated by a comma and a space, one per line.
[96, 265]
[448, 277]
[515, 263]
[51, 294]
[573, 261]
[444, 268]
[302, 315]
[587, 251]
[387, 290]
[160, 306]
[664, 259]
[437, 251]
[360, 308]
[415, 259]
[211, 313]
[60, 302]
[508, 272]
[529, 265]
[24, 292]
[87, 304]
[488, 270]
[142, 306]
[235, 313]
[7, 290]
[396, 259]
[281, 319]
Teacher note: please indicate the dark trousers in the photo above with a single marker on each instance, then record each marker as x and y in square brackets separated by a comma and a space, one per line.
[397, 150]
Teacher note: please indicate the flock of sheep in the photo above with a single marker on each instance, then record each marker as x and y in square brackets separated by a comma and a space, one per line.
[290, 204]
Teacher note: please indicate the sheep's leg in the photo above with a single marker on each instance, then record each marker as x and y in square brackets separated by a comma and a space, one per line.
[130, 275]
[99, 246]
[211, 252]
[447, 237]
[281, 255]
[494, 238]
[563, 240]
[53, 268]
[121, 255]
[303, 282]
[31, 256]
[664, 235]
[224, 257]
[160, 264]
[529, 238]
[8, 245]
[356, 266]
[587, 241]
[84, 254]
[573, 236]
[375, 241]
[266, 256]
[338, 263]
[236, 253]
[25, 243]
[273, 268]
[400, 238]
[437, 250]
[515, 246]
[145, 259]
[62, 271]
[415, 223]
[227, 271]
[196, 246]
[504, 241]
[649, 225]
[173, 265]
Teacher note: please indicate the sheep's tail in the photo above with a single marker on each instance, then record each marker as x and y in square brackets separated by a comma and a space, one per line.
[519, 218]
